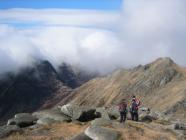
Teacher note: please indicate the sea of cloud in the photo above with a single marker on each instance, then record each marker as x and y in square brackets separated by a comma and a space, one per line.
[140, 32]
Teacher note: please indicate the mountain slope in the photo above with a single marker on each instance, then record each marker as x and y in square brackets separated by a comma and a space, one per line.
[159, 85]
[33, 88]
[74, 76]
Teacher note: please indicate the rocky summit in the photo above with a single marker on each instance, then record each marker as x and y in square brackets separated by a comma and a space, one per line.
[90, 112]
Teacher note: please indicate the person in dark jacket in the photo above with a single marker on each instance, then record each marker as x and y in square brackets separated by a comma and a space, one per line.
[134, 108]
[123, 110]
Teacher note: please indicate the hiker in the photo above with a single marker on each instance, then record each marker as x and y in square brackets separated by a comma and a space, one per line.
[123, 110]
[134, 108]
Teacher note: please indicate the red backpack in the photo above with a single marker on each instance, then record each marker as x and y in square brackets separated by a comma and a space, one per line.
[122, 107]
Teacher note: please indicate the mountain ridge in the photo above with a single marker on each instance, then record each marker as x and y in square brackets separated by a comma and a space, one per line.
[160, 85]
[37, 87]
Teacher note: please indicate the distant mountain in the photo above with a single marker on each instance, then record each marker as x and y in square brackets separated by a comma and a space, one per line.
[31, 89]
[74, 76]
[160, 85]
[36, 87]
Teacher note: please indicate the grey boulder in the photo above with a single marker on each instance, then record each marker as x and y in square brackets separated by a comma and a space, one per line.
[45, 121]
[180, 126]
[49, 115]
[113, 113]
[102, 113]
[109, 113]
[147, 118]
[101, 122]
[81, 136]
[25, 115]
[7, 130]
[101, 133]
[81, 114]
[22, 120]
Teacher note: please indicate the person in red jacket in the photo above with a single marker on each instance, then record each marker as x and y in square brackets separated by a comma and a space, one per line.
[123, 110]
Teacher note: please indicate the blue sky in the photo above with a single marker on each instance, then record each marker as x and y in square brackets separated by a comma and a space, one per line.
[66, 4]
[16, 18]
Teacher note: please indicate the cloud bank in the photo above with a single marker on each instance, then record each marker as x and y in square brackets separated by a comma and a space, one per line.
[96, 40]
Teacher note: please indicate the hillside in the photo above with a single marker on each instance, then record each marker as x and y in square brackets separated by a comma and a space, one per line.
[74, 76]
[31, 89]
[159, 85]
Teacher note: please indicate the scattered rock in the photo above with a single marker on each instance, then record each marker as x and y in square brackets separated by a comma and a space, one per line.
[102, 113]
[45, 121]
[35, 126]
[155, 114]
[55, 115]
[7, 130]
[147, 118]
[81, 114]
[81, 136]
[113, 113]
[25, 115]
[180, 126]
[145, 109]
[101, 122]
[22, 120]
[100, 133]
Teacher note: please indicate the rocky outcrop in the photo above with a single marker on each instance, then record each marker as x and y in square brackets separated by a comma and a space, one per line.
[81, 136]
[45, 121]
[180, 126]
[82, 114]
[108, 113]
[22, 120]
[102, 128]
[101, 122]
[7, 130]
[100, 133]
[48, 116]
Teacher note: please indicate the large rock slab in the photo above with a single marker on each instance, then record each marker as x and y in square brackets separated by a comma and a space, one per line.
[101, 122]
[81, 136]
[100, 133]
[55, 115]
[81, 114]
[45, 121]
[7, 130]
[113, 113]
[109, 113]
[22, 120]
[102, 113]
[25, 115]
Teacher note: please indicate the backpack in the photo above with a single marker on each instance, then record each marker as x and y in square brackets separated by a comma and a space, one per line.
[123, 107]
[134, 107]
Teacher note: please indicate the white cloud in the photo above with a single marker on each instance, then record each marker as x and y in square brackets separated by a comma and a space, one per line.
[62, 17]
[154, 28]
[61, 35]
[96, 40]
